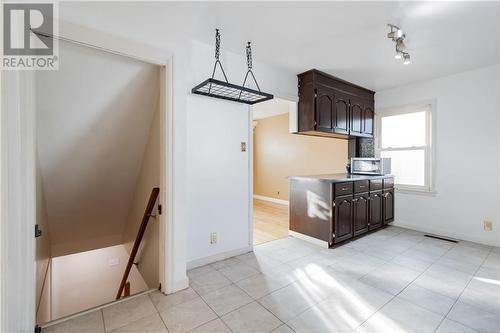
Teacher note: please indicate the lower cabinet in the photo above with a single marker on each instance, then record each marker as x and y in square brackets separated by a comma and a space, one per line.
[375, 207]
[336, 211]
[343, 218]
[360, 213]
[388, 205]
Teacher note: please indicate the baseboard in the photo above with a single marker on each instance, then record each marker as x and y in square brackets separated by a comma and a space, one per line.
[270, 199]
[446, 233]
[309, 239]
[217, 257]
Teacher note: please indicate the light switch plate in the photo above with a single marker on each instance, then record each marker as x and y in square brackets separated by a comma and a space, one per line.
[213, 238]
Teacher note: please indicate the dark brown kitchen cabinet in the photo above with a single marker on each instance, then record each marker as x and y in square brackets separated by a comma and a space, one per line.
[336, 208]
[368, 119]
[376, 216]
[341, 114]
[329, 106]
[343, 218]
[360, 213]
[324, 109]
[388, 205]
[356, 117]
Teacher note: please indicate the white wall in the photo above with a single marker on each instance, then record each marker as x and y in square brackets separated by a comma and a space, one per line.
[218, 187]
[218, 173]
[467, 156]
[88, 279]
[148, 256]
[43, 255]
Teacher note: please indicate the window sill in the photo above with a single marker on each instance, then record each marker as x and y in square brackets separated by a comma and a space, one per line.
[430, 193]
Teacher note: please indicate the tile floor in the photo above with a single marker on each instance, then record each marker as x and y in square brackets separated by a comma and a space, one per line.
[394, 280]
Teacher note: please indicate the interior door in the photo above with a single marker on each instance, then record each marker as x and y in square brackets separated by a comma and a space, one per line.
[324, 109]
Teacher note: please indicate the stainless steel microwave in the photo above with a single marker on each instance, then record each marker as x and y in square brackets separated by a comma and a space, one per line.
[370, 166]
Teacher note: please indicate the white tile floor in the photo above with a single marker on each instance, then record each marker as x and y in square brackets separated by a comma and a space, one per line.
[394, 280]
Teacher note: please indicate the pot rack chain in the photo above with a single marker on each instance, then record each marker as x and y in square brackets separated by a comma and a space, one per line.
[217, 55]
[249, 65]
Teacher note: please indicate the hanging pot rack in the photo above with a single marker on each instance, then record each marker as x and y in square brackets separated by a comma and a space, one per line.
[224, 90]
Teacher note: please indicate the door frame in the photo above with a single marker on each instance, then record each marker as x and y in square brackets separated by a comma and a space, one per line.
[18, 182]
[292, 127]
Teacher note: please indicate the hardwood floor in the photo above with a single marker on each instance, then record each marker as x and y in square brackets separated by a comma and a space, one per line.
[270, 221]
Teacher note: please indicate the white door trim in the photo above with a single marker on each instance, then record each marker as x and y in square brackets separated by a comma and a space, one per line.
[17, 202]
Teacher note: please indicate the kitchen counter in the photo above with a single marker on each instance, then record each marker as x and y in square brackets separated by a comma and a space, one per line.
[332, 208]
[339, 177]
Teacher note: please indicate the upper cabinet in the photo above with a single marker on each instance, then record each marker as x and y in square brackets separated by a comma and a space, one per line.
[329, 106]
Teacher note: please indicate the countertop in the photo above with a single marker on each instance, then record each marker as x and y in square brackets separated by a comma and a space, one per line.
[338, 177]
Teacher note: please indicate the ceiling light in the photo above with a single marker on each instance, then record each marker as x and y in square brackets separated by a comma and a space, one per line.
[398, 36]
[400, 45]
[406, 59]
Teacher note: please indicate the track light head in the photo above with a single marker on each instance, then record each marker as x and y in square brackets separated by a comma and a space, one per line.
[406, 59]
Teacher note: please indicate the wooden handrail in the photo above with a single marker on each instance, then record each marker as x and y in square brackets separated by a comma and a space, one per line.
[138, 239]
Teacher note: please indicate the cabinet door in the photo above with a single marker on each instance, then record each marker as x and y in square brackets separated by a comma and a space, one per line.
[324, 109]
[376, 217]
[357, 120]
[341, 114]
[388, 206]
[343, 218]
[360, 214]
[368, 115]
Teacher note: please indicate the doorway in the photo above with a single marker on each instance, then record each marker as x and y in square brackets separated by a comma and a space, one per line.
[272, 123]
[99, 155]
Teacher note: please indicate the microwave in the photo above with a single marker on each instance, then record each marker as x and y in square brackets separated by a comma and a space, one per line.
[370, 166]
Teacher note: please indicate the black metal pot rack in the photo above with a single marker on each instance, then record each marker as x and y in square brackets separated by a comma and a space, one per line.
[224, 90]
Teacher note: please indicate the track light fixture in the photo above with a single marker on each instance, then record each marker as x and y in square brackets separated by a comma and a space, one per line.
[397, 36]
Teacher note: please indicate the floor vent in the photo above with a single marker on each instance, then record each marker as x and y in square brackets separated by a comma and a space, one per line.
[441, 238]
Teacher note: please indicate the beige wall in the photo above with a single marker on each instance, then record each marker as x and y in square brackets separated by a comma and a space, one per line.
[279, 154]
[84, 280]
[149, 177]
[42, 254]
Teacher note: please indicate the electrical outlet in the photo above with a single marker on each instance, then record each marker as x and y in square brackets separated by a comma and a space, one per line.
[243, 146]
[213, 238]
[488, 225]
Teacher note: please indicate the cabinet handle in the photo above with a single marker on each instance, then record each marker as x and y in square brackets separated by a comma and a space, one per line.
[386, 195]
[344, 188]
[355, 200]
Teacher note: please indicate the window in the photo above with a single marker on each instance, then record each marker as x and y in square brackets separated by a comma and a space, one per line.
[404, 135]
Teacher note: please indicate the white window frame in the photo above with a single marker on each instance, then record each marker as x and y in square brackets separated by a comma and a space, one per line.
[429, 148]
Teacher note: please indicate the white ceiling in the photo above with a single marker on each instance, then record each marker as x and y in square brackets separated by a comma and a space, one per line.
[347, 39]
[93, 116]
